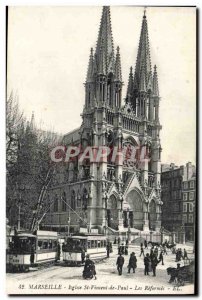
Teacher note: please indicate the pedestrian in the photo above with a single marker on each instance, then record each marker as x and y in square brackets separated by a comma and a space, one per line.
[119, 241]
[154, 263]
[122, 248]
[120, 263]
[145, 244]
[126, 250]
[108, 250]
[82, 256]
[156, 251]
[185, 254]
[110, 247]
[127, 242]
[161, 257]
[141, 249]
[132, 263]
[165, 250]
[89, 268]
[180, 254]
[146, 264]
[151, 253]
[115, 241]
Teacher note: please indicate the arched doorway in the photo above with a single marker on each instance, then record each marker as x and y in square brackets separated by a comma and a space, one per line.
[152, 214]
[136, 214]
[112, 212]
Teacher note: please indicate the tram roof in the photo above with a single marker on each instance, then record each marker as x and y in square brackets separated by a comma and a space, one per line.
[25, 235]
[88, 237]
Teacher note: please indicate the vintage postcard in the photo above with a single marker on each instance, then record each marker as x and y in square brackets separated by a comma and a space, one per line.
[101, 150]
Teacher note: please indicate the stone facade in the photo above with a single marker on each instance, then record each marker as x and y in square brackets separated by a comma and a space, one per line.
[102, 195]
[178, 196]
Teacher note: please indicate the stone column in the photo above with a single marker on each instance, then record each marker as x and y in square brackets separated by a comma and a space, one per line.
[151, 237]
[162, 237]
[145, 218]
[173, 237]
[120, 215]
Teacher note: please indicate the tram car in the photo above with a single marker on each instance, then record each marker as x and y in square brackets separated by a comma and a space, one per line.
[26, 249]
[94, 245]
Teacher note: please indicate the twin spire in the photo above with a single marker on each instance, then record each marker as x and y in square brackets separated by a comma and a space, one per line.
[144, 80]
[104, 60]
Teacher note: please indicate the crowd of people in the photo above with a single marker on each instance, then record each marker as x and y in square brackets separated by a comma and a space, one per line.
[152, 256]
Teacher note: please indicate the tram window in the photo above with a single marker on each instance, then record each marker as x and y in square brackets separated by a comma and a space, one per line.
[50, 244]
[45, 244]
[104, 243]
[98, 244]
[40, 243]
[89, 244]
[54, 244]
[101, 244]
[95, 244]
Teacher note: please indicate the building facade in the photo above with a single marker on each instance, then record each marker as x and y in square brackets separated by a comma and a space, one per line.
[178, 197]
[119, 194]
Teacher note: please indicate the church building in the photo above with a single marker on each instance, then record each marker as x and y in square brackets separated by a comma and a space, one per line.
[97, 196]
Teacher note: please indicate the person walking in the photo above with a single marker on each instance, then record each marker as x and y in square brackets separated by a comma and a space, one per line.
[145, 244]
[146, 264]
[108, 250]
[132, 263]
[161, 258]
[82, 256]
[154, 263]
[156, 251]
[185, 254]
[141, 250]
[126, 250]
[151, 253]
[120, 263]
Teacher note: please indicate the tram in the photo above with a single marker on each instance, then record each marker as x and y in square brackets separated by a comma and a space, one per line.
[26, 249]
[94, 245]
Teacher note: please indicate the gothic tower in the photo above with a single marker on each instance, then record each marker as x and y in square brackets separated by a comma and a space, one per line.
[115, 193]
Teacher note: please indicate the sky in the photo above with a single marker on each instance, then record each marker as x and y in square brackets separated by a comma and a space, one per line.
[48, 53]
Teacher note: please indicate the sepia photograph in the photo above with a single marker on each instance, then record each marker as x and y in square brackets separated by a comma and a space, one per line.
[101, 165]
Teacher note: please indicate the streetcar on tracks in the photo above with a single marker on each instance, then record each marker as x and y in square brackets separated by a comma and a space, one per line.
[94, 245]
[26, 249]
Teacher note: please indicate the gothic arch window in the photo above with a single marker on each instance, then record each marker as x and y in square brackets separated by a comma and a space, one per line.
[152, 214]
[112, 212]
[73, 200]
[55, 205]
[64, 200]
[85, 199]
[135, 202]
[109, 89]
[78, 200]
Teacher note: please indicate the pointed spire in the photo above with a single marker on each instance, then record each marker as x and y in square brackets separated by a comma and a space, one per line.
[155, 82]
[90, 72]
[105, 40]
[118, 74]
[130, 86]
[143, 56]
